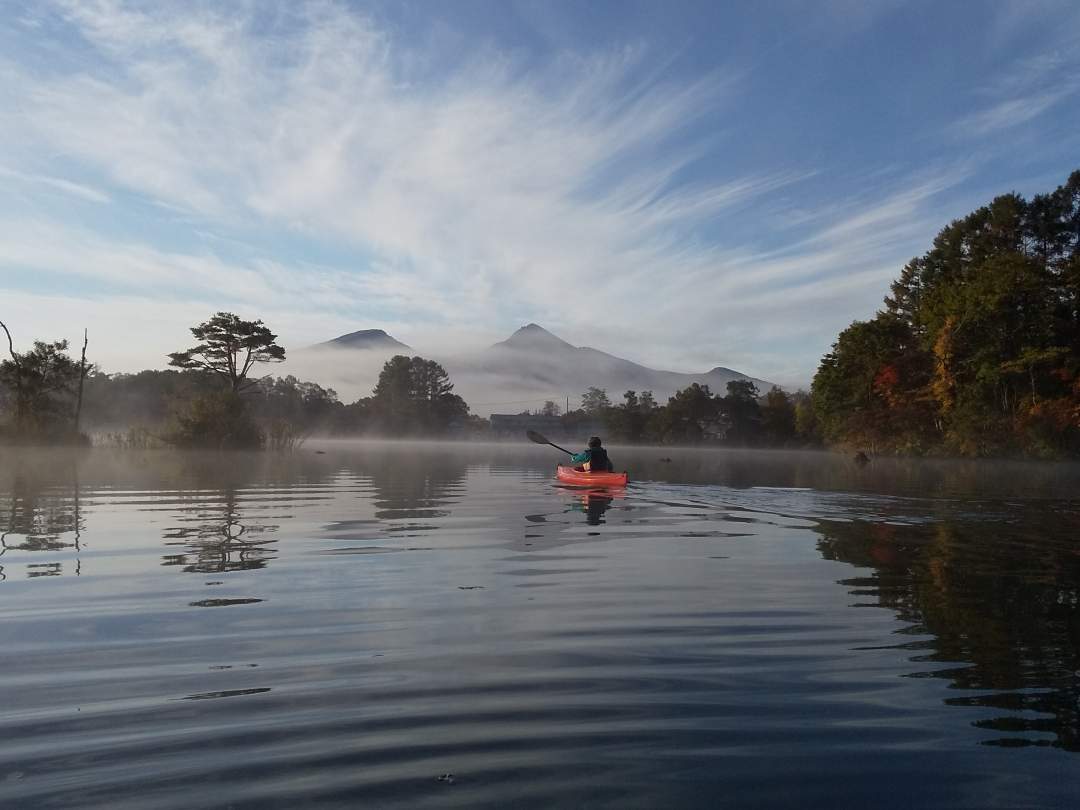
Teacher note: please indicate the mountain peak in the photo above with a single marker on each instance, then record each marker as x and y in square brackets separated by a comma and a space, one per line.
[365, 339]
[532, 330]
[533, 336]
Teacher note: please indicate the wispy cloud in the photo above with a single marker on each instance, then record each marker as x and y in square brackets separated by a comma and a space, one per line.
[1010, 113]
[1026, 89]
[463, 191]
[101, 267]
[70, 187]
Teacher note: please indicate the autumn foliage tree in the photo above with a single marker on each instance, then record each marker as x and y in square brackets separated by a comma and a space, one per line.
[977, 350]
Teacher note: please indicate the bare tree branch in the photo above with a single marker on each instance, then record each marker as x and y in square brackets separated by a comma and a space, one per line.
[11, 347]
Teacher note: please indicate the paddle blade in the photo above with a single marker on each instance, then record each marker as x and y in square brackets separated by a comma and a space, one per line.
[536, 437]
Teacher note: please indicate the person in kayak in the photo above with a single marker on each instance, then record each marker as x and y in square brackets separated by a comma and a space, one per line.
[594, 458]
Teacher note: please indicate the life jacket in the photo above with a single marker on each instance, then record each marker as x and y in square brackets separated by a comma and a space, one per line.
[598, 461]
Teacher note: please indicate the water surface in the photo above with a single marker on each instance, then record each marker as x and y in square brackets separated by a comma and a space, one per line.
[408, 625]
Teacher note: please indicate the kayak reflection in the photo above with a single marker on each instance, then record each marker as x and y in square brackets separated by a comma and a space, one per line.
[594, 504]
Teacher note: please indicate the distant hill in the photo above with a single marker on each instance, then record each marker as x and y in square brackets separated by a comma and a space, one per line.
[366, 340]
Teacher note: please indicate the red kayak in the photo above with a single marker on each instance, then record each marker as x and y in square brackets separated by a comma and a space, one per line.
[580, 478]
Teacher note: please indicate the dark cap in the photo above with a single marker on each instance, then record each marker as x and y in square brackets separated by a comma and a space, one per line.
[594, 441]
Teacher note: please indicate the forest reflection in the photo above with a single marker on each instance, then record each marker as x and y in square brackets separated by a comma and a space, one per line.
[999, 605]
[224, 526]
[224, 512]
[414, 487]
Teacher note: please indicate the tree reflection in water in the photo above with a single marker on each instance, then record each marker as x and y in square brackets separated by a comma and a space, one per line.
[216, 535]
[1006, 604]
[42, 510]
[38, 515]
[412, 488]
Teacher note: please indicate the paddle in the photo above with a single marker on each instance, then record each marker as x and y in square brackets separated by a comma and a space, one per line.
[539, 438]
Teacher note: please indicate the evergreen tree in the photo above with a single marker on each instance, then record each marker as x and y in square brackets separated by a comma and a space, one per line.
[778, 418]
[230, 347]
[414, 396]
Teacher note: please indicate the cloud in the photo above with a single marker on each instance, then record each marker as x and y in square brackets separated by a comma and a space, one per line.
[1010, 113]
[1029, 87]
[152, 327]
[70, 187]
[460, 192]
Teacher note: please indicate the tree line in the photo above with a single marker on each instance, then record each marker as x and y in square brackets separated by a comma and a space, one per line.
[977, 350]
[210, 397]
[696, 416]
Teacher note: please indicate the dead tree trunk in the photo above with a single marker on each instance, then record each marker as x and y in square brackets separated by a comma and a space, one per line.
[82, 377]
[11, 345]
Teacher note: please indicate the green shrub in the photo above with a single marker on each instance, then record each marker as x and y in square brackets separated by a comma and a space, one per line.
[220, 420]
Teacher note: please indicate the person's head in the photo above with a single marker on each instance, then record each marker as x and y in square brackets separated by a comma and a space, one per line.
[594, 441]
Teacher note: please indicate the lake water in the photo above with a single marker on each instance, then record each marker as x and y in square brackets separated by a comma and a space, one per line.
[407, 625]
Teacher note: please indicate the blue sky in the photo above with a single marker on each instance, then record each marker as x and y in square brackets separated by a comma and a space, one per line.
[685, 184]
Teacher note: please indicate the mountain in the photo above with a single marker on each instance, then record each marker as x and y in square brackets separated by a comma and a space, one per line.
[532, 337]
[533, 365]
[366, 340]
[516, 374]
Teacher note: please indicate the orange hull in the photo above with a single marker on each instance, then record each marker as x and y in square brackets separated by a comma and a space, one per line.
[568, 475]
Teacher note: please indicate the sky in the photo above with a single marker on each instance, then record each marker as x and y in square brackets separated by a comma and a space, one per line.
[686, 184]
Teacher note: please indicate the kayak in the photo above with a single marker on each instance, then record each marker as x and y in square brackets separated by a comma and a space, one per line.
[580, 478]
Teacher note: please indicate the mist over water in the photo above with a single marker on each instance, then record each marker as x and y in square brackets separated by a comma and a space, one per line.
[437, 625]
